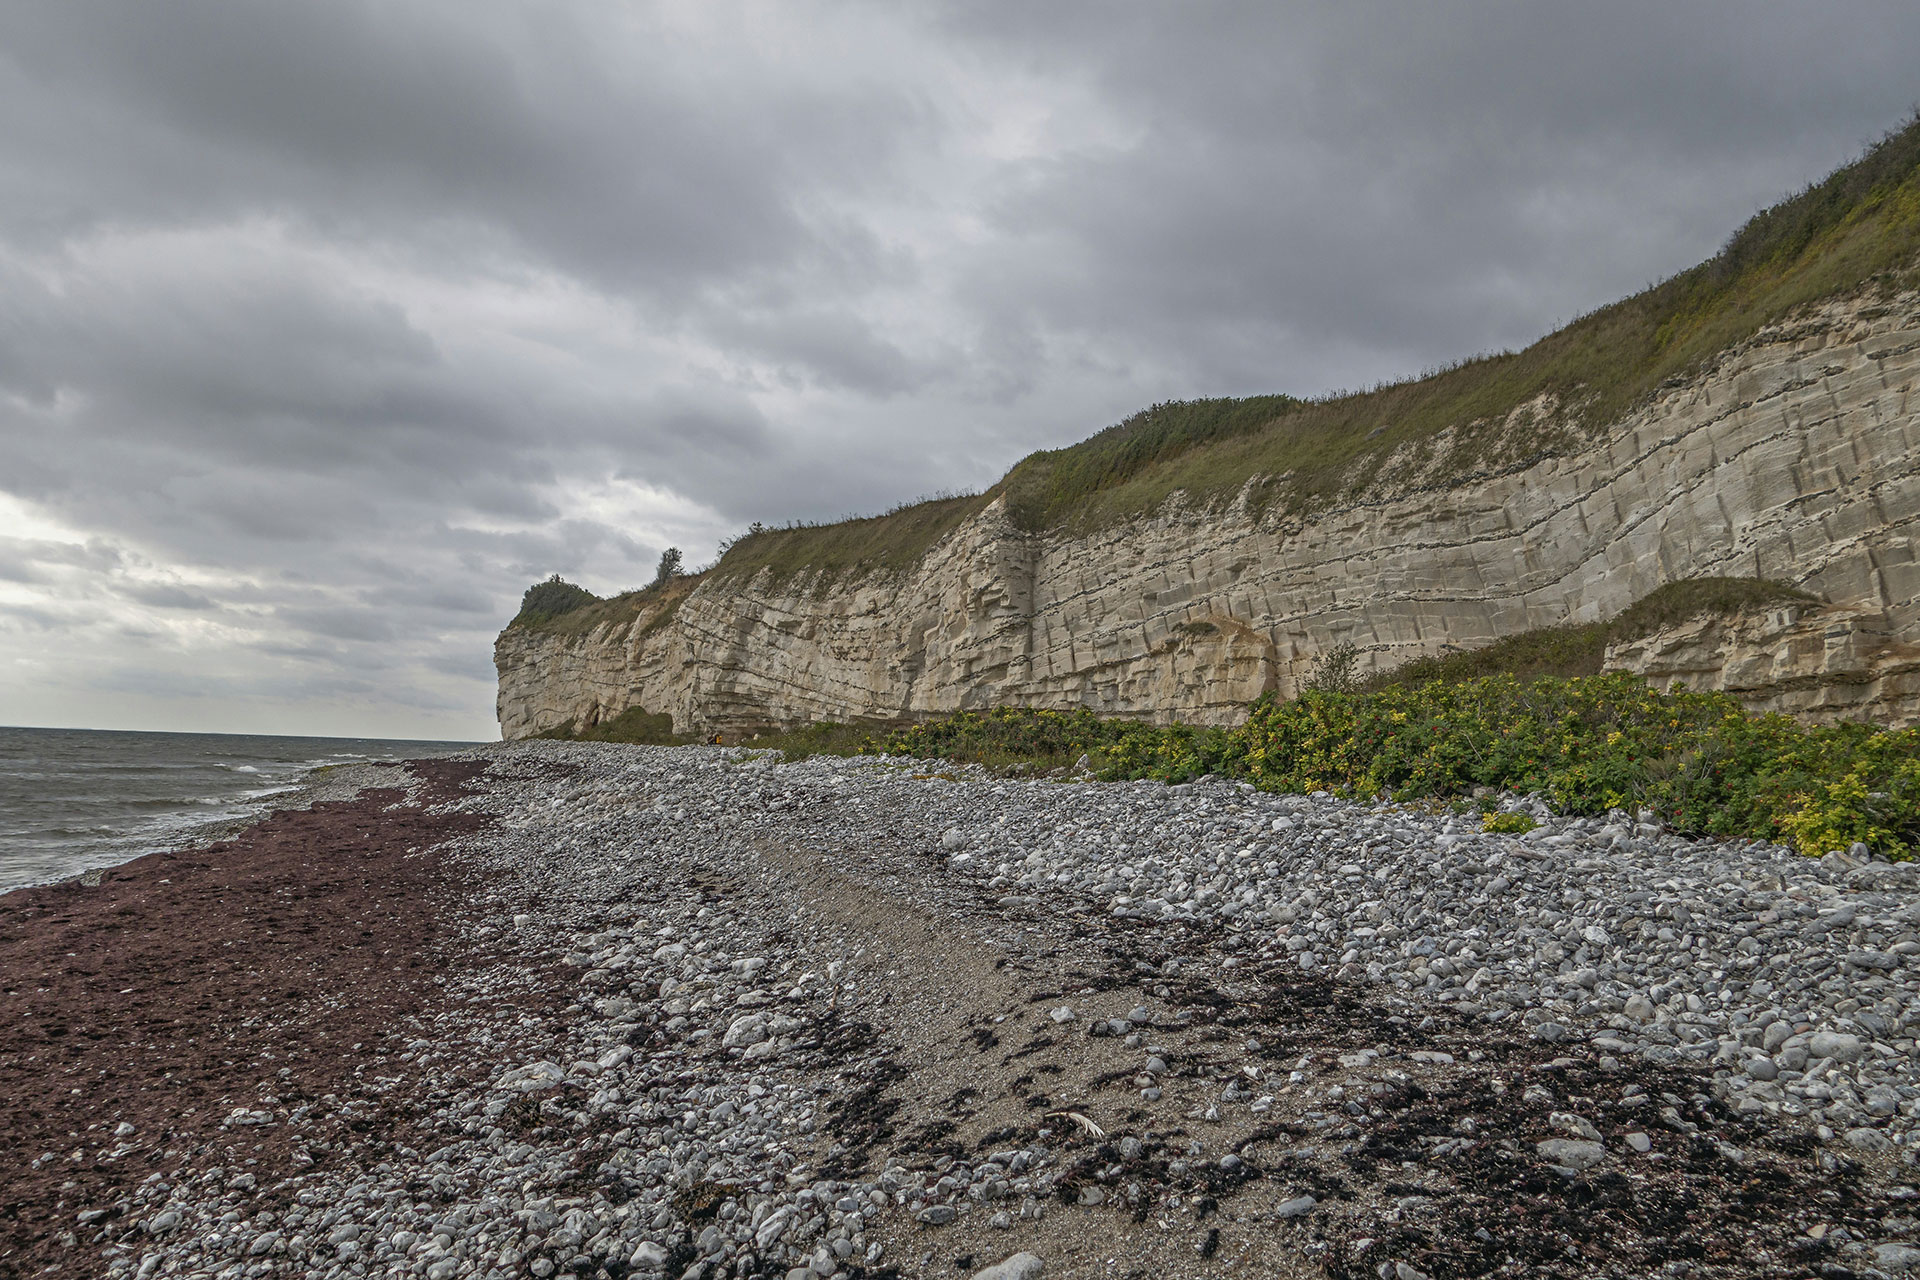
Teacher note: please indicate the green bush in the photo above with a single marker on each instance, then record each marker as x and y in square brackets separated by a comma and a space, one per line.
[1510, 823]
[634, 725]
[550, 599]
[1588, 744]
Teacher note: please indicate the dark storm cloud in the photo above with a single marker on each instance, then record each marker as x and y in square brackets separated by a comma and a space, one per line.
[1313, 196]
[325, 328]
[582, 136]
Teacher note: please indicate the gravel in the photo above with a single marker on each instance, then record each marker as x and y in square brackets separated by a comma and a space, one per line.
[773, 973]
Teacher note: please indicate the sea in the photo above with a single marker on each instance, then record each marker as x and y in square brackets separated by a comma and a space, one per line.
[73, 800]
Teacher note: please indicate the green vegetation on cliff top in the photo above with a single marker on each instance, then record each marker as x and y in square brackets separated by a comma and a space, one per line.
[560, 608]
[1858, 227]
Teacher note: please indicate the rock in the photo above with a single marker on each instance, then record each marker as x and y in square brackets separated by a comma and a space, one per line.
[1869, 1140]
[746, 1031]
[1873, 960]
[1761, 1068]
[1407, 1271]
[1297, 1207]
[1092, 1195]
[938, 1215]
[533, 1076]
[1836, 1045]
[1021, 1266]
[1549, 1032]
[1571, 1153]
[1776, 1034]
[1574, 1125]
[648, 1256]
[1640, 1142]
[1639, 1008]
[1063, 1014]
[1894, 1256]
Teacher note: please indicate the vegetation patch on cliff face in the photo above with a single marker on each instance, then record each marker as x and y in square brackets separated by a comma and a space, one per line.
[1579, 649]
[634, 725]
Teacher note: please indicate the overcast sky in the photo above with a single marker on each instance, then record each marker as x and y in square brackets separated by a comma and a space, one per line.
[326, 328]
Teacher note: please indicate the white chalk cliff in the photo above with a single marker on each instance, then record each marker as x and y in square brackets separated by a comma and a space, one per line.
[1793, 456]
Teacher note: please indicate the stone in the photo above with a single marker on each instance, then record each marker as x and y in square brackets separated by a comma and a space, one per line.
[1571, 1153]
[1836, 1045]
[648, 1256]
[1895, 1257]
[1549, 1032]
[1063, 1014]
[938, 1215]
[1640, 1142]
[1871, 1141]
[1297, 1207]
[1021, 1266]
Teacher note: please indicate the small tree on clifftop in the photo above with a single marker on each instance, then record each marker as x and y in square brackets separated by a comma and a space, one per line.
[669, 568]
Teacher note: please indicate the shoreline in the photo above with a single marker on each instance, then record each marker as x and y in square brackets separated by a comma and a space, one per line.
[591, 1010]
[162, 969]
[317, 784]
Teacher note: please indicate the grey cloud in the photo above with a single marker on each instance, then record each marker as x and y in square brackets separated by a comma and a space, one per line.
[162, 595]
[593, 149]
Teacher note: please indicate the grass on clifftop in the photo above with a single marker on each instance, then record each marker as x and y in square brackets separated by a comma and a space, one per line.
[589, 611]
[1490, 413]
[1859, 225]
[892, 542]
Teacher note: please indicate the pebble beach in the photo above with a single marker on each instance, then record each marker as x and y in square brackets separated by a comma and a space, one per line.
[582, 1010]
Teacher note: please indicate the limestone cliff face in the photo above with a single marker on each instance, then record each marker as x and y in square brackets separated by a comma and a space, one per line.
[1795, 456]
